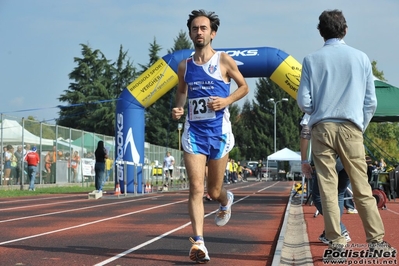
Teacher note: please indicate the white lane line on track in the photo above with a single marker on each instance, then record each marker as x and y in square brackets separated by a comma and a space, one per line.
[392, 211]
[44, 204]
[122, 254]
[72, 210]
[90, 223]
[37, 198]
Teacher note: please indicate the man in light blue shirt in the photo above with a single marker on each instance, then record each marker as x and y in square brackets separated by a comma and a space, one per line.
[337, 90]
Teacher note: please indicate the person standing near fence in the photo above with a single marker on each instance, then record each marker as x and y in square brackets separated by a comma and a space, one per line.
[204, 78]
[75, 161]
[99, 167]
[108, 168]
[259, 167]
[50, 166]
[53, 165]
[168, 163]
[32, 159]
[7, 163]
[19, 154]
[14, 164]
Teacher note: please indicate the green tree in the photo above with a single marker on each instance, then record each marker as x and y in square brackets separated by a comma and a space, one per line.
[92, 94]
[33, 126]
[234, 109]
[123, 72]
[378, 74]
[262, 119]
[182, 41]
[243, 132]
[381, 139]
[153, 55]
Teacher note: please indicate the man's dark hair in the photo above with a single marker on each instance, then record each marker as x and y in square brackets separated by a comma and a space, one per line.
[332, 24]
[213, 18]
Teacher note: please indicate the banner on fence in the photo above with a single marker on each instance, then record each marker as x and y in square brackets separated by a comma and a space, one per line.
[88, 167]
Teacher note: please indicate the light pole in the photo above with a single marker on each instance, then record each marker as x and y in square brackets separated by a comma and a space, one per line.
[179, 127]
[275, 104]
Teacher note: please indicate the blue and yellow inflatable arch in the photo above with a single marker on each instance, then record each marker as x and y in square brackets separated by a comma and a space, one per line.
[269, 62]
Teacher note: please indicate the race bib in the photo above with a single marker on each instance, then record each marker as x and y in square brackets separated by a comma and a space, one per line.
[199, 109]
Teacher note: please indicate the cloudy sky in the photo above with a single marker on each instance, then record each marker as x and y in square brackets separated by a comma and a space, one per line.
[40, 38]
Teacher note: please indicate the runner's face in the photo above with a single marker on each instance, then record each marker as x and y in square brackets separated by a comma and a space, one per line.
[201, 32]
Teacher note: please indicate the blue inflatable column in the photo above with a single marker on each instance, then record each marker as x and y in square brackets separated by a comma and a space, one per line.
[129, 141]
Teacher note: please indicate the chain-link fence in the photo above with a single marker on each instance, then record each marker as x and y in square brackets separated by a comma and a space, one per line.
[67, 154]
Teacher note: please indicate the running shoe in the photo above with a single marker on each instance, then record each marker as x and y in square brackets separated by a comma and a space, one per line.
[346, 235]
[351, 211]
[224, 213]
[380, 249]
[324, 239]
[198, 251]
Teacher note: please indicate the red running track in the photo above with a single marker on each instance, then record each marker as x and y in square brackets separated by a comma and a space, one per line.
[150, 229]
[315, 226]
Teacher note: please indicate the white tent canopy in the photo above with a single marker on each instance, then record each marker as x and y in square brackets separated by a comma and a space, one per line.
[287, 155]
[12, 133]
[284, 155]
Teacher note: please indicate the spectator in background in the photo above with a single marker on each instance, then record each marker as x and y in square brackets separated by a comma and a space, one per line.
[25, 152]
[227, 172]
[75, 160]
[53, 156]
[7, 163]
[32, 158]
[239, 170]
[230, 164]
[19, 154]
[259, 167]
[99, 167]
[234, 173]
[26, 149]
[246, 172]
[14, 164]
[50, 166]
[382, 166]
[168, 163]
[47, 166]
[108, 167]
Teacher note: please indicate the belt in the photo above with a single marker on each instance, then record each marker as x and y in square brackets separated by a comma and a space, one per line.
[31, 165]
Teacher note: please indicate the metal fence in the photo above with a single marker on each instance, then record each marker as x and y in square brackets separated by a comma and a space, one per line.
[23, 134]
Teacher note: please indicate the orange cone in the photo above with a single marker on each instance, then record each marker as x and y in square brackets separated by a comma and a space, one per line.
[117, 190]
[148, 188]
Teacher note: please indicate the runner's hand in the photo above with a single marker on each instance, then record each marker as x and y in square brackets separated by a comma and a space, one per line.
[217, 103]
[177, 112]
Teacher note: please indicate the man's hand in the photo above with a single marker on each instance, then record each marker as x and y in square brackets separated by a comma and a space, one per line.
[217, 103]
[307, 170]
[177, 112]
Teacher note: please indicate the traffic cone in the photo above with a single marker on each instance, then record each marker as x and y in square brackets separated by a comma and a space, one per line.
[117, 190]
[148, 188]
